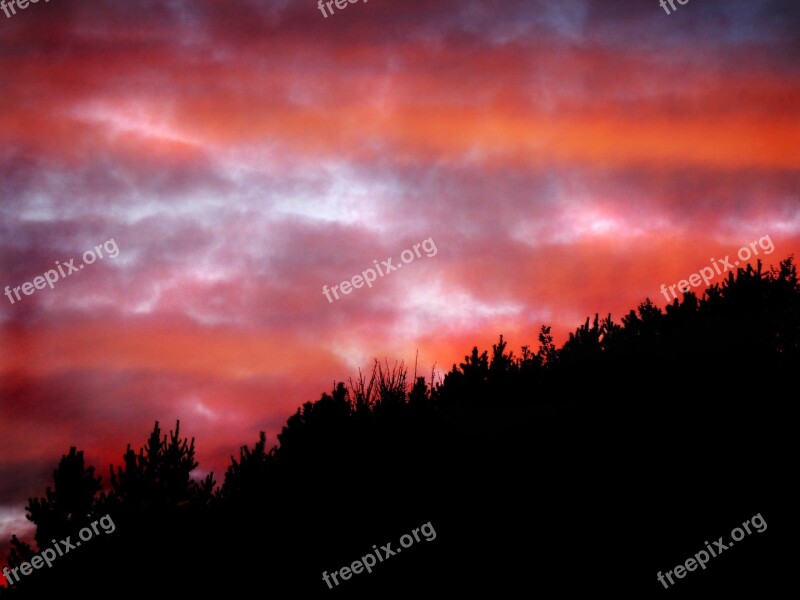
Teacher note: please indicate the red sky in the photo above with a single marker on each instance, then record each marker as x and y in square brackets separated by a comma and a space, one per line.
[565, 158]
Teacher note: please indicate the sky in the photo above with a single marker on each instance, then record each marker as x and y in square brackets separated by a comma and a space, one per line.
[227, 160]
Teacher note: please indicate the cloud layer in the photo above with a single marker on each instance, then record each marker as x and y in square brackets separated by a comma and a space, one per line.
[566, 158]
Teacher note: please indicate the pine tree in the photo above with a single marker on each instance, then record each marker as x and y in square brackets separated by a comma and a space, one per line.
[68, 506]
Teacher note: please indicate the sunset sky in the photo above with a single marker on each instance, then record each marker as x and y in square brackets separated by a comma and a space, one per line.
[565, 157]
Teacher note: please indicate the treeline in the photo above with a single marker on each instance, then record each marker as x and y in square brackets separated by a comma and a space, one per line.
[506, 451]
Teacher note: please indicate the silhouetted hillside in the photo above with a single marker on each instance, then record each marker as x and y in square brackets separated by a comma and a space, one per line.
[584, 468]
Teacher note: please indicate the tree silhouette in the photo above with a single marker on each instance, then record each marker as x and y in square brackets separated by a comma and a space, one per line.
[69, 505]
[541, 447]
[158, 477]
[246, 480]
